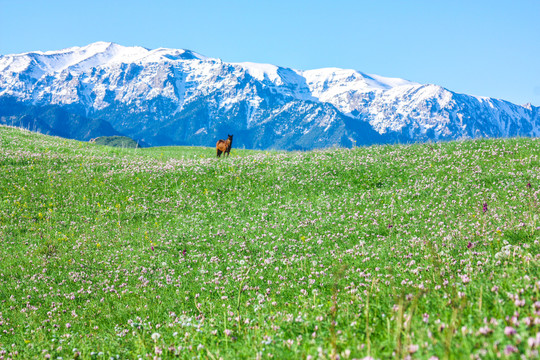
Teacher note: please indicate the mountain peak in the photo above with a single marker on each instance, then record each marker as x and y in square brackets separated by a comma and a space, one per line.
[78, 59]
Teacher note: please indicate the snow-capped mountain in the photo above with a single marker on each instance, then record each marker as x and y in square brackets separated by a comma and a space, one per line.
[169, 96]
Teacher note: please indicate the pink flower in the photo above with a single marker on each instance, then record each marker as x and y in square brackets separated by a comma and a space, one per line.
[532, 342]
[509, 331]
[412, 348]
[510, 349]
[484, 330]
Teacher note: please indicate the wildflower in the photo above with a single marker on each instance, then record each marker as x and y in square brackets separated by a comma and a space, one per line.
[509, 331]
[469, 245]
[485, 207]
[510, 349]
[68, 325]
[156, 336]
[534, 342]
[484, 330]
[528, 185]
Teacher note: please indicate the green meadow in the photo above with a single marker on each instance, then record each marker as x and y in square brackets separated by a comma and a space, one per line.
[423, 251]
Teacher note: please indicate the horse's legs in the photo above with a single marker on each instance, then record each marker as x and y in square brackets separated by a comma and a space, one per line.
[218, 152]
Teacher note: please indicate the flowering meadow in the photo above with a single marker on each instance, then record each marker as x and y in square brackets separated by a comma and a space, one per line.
[409, 251]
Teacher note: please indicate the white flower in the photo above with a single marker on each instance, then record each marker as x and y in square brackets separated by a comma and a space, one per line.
[156, 336]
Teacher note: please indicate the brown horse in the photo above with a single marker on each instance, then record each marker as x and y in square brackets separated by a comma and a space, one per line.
[224, 146]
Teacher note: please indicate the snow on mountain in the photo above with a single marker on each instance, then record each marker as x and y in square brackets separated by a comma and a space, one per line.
[81, 59]
[177, 96]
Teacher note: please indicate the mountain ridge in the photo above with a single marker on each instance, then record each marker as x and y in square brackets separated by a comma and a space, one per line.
[179, 97]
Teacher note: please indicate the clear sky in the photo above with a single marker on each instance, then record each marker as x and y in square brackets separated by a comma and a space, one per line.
[479, 47]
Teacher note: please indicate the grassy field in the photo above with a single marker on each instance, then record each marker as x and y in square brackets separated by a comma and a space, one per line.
[419, 251]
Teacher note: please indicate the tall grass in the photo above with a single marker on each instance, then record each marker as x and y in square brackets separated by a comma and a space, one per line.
[423, 251]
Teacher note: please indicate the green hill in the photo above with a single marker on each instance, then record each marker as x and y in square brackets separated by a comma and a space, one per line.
[383, 251]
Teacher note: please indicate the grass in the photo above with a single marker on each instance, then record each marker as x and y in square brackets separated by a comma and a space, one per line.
[423, 251]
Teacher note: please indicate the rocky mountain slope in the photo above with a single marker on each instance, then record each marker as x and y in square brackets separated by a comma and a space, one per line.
[169, 96]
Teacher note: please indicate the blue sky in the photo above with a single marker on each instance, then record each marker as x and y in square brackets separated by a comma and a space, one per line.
[488, 48]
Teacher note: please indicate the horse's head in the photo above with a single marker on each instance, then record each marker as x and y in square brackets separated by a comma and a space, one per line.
[229, 137]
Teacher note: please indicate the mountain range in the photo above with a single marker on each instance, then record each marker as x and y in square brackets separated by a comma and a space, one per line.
[179, 97]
